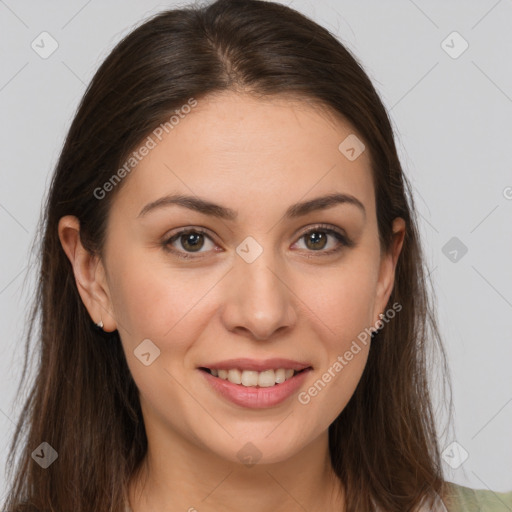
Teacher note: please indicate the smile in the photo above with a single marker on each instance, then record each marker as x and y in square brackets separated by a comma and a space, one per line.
[251, 378]
[253, 389]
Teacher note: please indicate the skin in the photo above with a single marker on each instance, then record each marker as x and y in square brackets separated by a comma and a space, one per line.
[257, 157]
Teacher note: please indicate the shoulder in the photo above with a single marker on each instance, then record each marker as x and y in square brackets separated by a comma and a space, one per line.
[459, 498]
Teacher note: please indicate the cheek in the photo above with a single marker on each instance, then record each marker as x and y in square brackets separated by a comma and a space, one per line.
[152, 300]
[346, 309]
[342, 299]
[342, 303]
[325, 397]
[144, 300]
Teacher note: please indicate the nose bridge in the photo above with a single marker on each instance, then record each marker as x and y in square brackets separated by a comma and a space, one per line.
[260, 301]
[259, 276]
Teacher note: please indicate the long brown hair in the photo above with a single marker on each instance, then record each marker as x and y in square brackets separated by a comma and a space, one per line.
[83, 401]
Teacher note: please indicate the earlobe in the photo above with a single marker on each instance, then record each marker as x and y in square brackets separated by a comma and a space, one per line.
[89, 273]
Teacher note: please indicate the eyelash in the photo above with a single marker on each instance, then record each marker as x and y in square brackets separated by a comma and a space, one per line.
[324, 228]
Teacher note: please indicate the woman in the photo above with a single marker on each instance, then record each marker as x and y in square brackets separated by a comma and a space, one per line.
[232, 301]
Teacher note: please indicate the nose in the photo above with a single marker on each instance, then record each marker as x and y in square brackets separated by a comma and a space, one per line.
[259, 301]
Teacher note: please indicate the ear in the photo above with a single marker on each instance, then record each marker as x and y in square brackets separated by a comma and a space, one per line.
[387, 267]
[89, 273]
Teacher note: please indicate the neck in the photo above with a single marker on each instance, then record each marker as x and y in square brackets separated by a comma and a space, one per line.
[193, 479]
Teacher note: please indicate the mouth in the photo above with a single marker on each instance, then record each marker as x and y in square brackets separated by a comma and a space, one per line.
[255, 379]
[260, 386]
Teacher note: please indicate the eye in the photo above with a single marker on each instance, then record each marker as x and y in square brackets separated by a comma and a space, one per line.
[191, 240]
[317, 238]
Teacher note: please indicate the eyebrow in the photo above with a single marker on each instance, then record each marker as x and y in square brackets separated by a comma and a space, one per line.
[215, 210]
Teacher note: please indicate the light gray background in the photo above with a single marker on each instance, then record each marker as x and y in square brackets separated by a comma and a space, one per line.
[452, 117]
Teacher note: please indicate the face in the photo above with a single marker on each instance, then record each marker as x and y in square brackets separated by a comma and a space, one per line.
[261, 281]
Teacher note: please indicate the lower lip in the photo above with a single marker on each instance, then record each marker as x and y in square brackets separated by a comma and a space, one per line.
[253, 397]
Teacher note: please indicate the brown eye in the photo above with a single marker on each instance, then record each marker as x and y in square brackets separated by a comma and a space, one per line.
[187, 241]
[192, 241]
[318, 240]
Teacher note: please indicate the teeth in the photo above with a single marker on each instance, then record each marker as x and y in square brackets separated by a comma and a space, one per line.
[249, 378]
[280, 375]
[252, 378]
[235, 376]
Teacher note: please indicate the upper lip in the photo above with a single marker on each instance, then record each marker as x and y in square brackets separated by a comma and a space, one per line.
[257, 365]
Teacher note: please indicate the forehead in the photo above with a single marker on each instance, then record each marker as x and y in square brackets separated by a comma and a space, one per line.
[249, 151]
